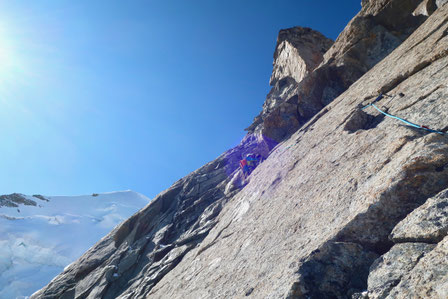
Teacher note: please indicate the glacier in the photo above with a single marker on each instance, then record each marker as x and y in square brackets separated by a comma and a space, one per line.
[38, 241]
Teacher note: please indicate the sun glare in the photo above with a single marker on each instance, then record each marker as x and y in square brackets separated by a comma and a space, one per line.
[11, 70]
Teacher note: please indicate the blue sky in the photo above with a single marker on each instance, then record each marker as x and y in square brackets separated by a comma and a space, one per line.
[98, 96]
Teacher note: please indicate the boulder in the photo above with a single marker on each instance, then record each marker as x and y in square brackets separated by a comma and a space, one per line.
[387, 271]
[337, 269]
[428, 223]
[428, 279]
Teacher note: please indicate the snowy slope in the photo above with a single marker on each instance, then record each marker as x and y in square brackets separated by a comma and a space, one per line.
[37, 242]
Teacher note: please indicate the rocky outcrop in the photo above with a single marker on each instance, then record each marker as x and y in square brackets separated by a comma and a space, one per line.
[388, 270]
[15, 200]
[371, 35]
[297, 53]
[329, 271]
[427, 224]
[314, 219]
[428, 279]
[416, 266]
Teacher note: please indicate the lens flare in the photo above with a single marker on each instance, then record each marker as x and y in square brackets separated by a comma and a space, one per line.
[11, 70]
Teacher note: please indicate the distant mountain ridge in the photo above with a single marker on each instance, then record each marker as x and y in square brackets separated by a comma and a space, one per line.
[41, 235]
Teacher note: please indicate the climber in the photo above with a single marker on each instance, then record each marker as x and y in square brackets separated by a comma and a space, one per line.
[244, 167]
[252, 161]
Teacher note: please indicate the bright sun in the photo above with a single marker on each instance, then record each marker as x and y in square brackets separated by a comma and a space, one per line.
[10, 66]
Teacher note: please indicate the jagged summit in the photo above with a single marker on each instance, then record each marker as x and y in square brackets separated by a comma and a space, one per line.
[370, 36]
[299, 51]
[345, 199]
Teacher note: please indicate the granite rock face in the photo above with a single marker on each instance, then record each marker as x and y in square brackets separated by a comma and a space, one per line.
[439, 3]
[370, 36]
[429, 278]
[329, 271]
[297, 53]
[388, 270]
[417, 265]
[314, 220]
[419, 272]
[326, 186]
[428, 223]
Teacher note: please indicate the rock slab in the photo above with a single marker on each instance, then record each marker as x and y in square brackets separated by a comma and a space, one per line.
[322, 190]
[428, 223]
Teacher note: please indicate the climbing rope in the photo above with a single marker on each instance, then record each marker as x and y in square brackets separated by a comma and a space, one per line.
[401, 119]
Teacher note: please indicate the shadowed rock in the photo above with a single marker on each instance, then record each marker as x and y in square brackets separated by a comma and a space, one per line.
[428, 279]
[387, 271]
[334, 270]
[428, 223]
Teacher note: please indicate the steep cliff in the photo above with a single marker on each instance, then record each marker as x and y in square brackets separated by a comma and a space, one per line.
[314, 220]
[371, 35]
[297, 53]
